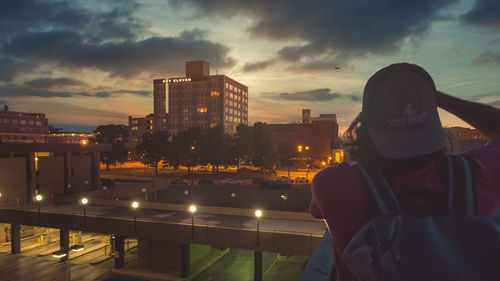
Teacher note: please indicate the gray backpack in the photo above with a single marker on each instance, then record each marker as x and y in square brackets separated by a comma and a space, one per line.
[400, 246]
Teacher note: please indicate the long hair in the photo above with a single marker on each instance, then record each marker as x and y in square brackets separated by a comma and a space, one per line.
[361, 149]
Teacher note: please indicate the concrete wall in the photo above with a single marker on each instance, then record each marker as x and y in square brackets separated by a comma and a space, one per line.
[51, 176]
[13, 177]
[80, 172]
[246, 197]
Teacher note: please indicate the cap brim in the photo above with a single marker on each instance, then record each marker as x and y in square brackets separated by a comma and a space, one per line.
[411, 142]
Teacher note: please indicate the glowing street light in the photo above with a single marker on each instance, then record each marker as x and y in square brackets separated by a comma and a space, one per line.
[134, 206]
[104, 188]
[299, 148]
[84, 202]
[38, 199]
[258, 214]
[192, 210]
[233, 197]
[63, 253]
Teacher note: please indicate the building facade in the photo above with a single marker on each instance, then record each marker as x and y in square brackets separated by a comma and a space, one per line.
[138, 126]
[203, 100]
[23, 127]
[159, 105]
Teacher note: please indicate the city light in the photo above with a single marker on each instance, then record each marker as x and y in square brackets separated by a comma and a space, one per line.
[258, 213]
[59, 254]
[135, 205]
[192, 209]
[299, 148]
[83, 142]
[323, 163]
[38, 197]
[85, 201]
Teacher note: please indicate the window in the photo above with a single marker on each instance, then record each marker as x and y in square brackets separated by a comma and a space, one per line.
[22, 122]
[134, 121]
[31, 122]
[214, 93]
[6, 121]
[134, 128]
[201, 109]
[39, 123]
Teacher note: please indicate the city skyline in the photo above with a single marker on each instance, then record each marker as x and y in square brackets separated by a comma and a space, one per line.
[85, 64]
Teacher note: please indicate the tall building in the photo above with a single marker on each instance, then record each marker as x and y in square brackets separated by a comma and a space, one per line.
[23, 126]
[159, 107]
[306, 116]
[203, 100]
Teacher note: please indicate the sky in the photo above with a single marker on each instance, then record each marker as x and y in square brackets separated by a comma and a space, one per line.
[87, 63]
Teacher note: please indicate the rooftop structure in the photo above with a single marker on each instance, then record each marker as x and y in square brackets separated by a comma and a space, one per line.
[203, 100]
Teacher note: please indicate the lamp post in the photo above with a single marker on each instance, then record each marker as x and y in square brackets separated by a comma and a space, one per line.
[233, 197]
[133, 182]
[284, 196]
[85, 184]
[144, 190]
[84, 202]
[63, 253]
[38, 199]
[258, 214]
[134, 206]
[104, 191]
[68, 188]
[192, 210]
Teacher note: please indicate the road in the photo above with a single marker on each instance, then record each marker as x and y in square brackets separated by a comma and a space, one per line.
[35, 261]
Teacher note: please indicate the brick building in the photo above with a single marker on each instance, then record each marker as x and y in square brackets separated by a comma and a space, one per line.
[23, 127]
[203, 100]
[319, 135]
[138, 126]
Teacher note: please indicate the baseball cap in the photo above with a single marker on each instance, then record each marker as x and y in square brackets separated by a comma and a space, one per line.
[400, 112]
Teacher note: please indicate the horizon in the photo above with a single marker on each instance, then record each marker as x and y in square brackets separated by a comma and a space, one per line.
[88, 64]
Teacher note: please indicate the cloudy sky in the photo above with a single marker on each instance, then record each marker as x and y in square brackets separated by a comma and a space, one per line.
[86, 63]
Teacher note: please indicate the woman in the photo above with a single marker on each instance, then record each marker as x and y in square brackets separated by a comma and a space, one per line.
[399, 133]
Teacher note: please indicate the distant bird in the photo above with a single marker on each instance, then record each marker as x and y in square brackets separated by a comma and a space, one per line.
[337, 67]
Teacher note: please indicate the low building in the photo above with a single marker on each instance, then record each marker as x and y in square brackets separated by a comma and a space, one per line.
[27, 169]
[314, 138]
[23, 127]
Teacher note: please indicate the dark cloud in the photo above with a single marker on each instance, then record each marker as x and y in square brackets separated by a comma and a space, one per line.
[140, 93]
[318, 66]
[49, 83]
[485, 13]
[488, 57]
[333, 28]
[23, 91]
[259, 65]
[124, 59]
[97, 95]
[318, 95]
[64, 33]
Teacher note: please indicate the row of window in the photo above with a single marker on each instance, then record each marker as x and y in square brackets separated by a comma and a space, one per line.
[21, 122]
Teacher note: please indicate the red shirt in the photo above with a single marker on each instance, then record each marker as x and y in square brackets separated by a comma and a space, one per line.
[340, 197]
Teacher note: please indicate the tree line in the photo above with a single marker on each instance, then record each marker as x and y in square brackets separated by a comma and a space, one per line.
[194, 146]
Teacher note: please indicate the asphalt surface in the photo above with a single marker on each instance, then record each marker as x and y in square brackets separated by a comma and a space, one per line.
[266, 224]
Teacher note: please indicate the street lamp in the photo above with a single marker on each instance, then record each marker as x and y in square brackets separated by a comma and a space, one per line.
[192, 210]
[284, 197]
[233, 197]
[85, 183]
[144, 190]
[258, 214]
[38, 199]
[104, 191]
[84, 202]
[63, 253]
[134, 206]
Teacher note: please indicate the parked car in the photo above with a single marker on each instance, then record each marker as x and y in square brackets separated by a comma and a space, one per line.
[178, 181]
[301, 180]
[284, 180]
[258, 180]
[206, 182]
[231, 181]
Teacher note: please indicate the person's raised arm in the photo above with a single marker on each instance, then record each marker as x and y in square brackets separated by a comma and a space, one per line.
[483, 117]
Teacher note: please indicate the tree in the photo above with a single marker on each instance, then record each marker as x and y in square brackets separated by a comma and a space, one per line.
[262, 147]
[116, 135]
[154, 147]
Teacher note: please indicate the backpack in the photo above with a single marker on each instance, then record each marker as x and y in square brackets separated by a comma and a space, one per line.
[400, 246]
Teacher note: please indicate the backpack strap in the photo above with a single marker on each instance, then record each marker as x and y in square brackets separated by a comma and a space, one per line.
[460, 190]
[380, 189]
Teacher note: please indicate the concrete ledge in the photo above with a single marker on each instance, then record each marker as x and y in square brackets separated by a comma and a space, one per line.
[303, 216]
